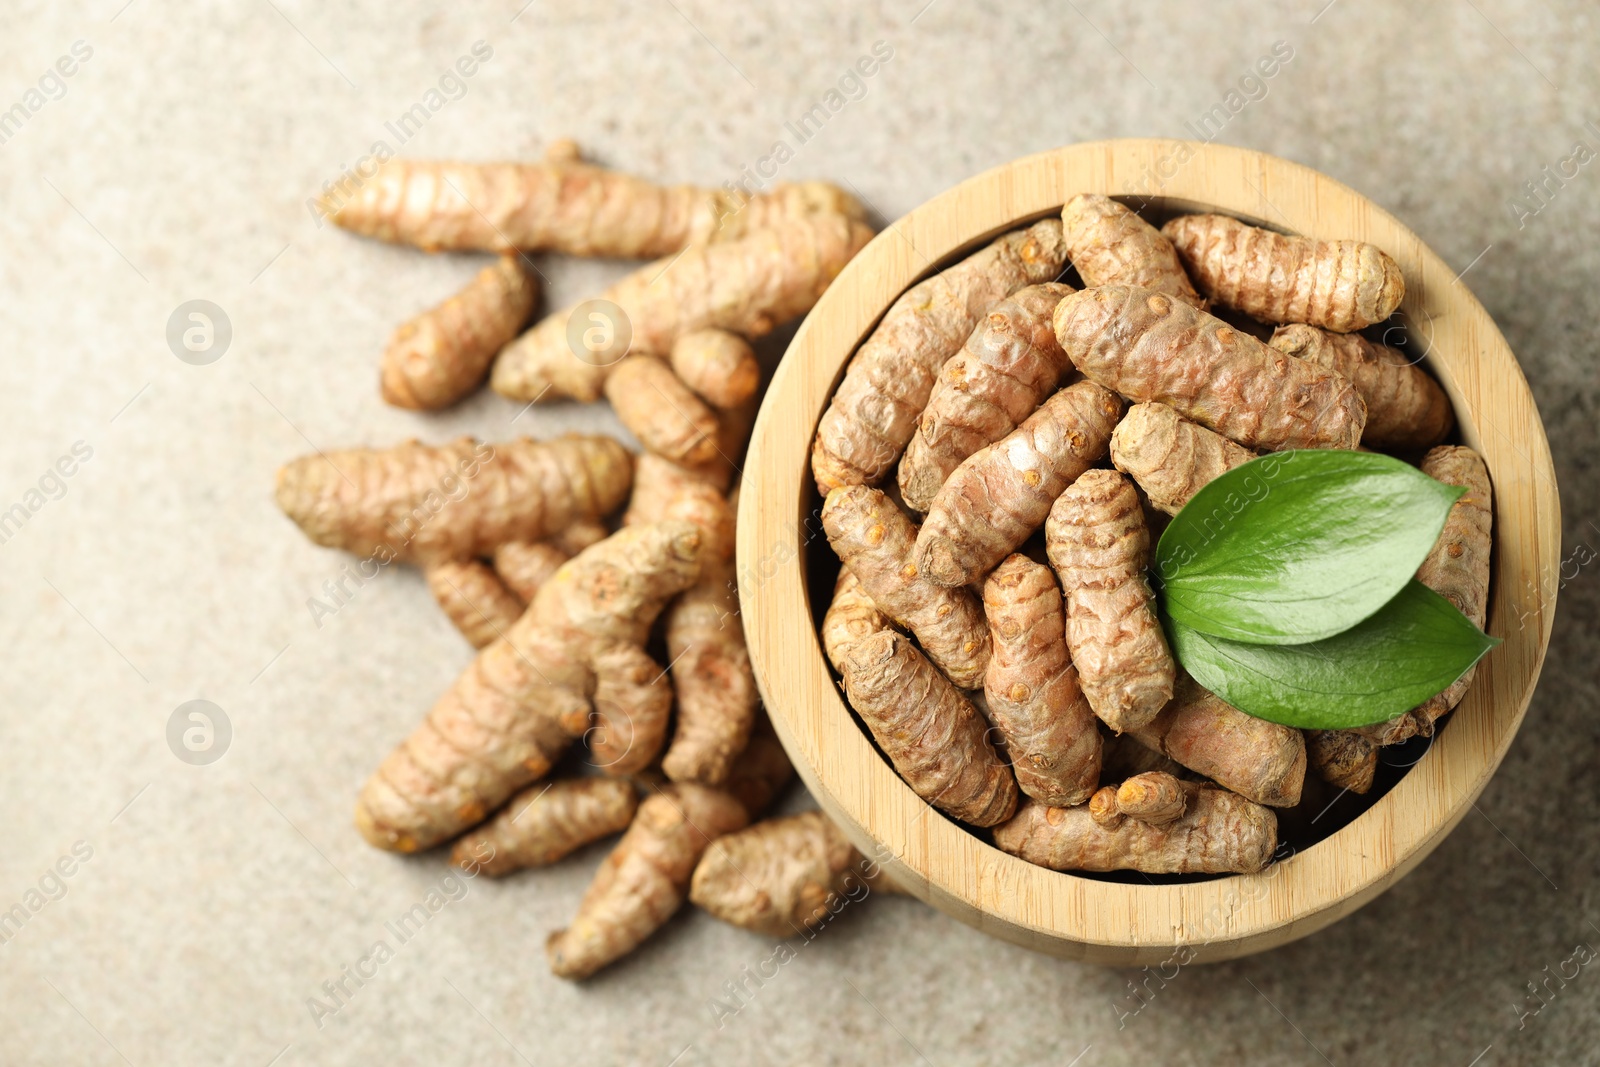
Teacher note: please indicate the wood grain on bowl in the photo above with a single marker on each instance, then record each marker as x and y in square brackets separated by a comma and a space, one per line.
[960, 873]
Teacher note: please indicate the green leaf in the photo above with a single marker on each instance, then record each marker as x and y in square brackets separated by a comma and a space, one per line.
[1415, 646]
[1297, 546]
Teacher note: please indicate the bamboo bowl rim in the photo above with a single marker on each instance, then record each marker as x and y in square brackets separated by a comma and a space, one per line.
[937, 860]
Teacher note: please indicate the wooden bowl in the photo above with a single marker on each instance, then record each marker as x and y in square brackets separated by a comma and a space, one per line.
[1080, 917]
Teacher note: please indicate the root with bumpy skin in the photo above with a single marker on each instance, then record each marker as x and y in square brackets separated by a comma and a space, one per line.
[1103, 808]
[632, 703]
[1338, 285]
[1051, 733]
[935, 738]
[524, 566]
[1220, 833]
[1263, 761]
[1343, 758]
[1002, 493]
[1150, 347]
[529, 694]
[851, 616]
[1009, 364]
[1112, 245]
[421, 503]
[887, 383]
[874, 539]
[662, 412]
[1458, 566]
[1406, 409]
[544, 823]
[718, 365]
[443, 354]
[1099, 546]
[746, 287]
[711, 670]
[562, 205]
[1170, 457]
[658, 481]
[646, 877]
[711, 666]
[780, 877]
[762, 769]
[1154, 797]
[474, 598]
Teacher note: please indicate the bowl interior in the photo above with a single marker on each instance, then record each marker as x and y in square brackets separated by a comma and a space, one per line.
[1339, 851]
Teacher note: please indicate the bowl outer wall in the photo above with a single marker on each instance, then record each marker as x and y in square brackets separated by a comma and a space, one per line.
[1079, 918]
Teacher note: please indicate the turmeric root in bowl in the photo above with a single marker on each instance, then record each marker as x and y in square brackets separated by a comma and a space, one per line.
[991, 417]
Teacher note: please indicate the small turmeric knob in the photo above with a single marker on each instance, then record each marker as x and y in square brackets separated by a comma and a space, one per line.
[1155, 797]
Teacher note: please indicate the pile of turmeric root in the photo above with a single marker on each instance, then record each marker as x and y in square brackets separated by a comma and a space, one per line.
[994, 625]
[522, 544]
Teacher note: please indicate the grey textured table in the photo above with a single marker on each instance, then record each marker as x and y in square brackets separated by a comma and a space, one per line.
[207, 905]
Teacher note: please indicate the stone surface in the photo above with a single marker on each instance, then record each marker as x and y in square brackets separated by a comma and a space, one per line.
[219, 898]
